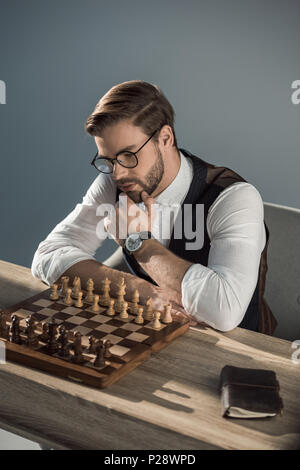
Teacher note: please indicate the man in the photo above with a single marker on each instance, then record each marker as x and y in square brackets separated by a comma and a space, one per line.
[220, 281]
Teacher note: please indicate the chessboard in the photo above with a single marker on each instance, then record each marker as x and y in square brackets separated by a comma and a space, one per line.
[85, 337]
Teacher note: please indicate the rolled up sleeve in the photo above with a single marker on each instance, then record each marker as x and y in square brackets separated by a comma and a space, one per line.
[75, 238]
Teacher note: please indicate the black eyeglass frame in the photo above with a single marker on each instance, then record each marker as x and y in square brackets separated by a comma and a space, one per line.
[97, 158]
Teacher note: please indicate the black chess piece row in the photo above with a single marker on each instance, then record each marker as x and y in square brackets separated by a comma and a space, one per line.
[62, 346]
[56, 339]
[13, 332]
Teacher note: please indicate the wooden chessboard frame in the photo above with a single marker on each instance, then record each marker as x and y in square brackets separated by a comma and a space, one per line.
[26, 356]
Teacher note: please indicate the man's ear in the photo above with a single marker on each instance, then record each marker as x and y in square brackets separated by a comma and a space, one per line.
[166, 136]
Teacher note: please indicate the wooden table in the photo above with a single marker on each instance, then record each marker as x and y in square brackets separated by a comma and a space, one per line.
[169, 402]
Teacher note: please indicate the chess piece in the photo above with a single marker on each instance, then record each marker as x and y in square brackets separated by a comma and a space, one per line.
[96, 308]
[32, 339]
[107, 352]
[92, 345]
[148, 314]
[120, 295]
[15, 330]
[4, 329]
[124, 314]
[54, 294]
[78, 302]
[61, 330]
[99, 361]
[89, 298]
[76, 287]
[139, 319]
[70, 335]
[111, 311]
[105, 298]
[67, 299]
[135, 300]
[156, 323]
[63, 342]
[77, 346]
[52, 344]
[167, 317]
[45, 333]
[64, 286]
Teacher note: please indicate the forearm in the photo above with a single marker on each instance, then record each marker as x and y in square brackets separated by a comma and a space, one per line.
[97, 271]
[163, 266]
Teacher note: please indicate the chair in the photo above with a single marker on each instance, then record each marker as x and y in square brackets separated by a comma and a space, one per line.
[282, 289]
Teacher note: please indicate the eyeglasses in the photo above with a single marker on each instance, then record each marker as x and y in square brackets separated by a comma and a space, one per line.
[126, 159]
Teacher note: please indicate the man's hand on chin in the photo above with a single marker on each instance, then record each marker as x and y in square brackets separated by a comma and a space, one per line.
[129, 218]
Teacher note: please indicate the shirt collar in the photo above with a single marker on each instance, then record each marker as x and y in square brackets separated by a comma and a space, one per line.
[177, 190]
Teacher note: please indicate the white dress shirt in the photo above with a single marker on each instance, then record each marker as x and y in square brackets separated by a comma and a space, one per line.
[218, 294]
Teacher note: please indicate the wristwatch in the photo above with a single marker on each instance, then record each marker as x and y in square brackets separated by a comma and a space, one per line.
[134, 241]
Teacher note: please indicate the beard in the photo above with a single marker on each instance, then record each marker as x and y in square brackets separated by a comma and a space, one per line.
[152, 179]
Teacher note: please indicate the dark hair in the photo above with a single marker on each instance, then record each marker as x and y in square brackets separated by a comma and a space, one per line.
[143, 102]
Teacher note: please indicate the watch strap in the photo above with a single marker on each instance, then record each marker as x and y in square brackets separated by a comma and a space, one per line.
[145, 235]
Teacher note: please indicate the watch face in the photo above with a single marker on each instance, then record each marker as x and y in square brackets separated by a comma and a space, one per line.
[133, 242]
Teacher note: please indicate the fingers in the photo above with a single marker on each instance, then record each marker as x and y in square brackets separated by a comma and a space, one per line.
[149, 201]
[183, 315]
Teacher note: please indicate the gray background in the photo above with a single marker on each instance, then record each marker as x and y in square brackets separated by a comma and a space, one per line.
[226, 66]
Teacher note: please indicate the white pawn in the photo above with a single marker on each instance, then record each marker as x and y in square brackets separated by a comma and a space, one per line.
[124, 313]
[95, 306]
[89, 298]
[156, 323]
[110, 311]
[105, 298]
[54, 294]
[167, 317]
[79, 302]
[135, 300]
[139, 319]
[67, 299]
[120, 295]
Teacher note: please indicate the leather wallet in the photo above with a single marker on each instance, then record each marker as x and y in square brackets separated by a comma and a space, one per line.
[249, 393]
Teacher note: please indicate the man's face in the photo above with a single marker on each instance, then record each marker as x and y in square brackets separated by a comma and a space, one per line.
[150, 169]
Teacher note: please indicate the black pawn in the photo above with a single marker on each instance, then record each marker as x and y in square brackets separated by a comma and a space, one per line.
[32, 339]
[99, 361]
[63, 341]
[61, 331]
[15, 330]
[52, 344]
[45, 333]
[92, 347]
[107, 352]
[77, 346]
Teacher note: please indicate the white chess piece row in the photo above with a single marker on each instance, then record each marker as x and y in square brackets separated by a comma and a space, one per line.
[119, 305]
